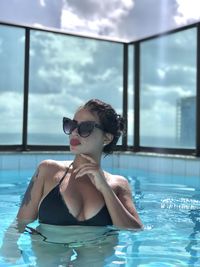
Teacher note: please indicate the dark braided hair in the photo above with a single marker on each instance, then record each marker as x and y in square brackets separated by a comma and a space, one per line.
[109, 119]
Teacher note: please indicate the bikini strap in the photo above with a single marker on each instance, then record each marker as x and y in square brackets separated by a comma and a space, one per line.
[65, 173]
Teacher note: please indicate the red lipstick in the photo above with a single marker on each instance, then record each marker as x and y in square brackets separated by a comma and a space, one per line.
[74, 142]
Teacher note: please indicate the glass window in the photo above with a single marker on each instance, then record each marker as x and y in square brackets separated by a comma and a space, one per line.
[168, 91]
[11, 84]
[65, 72]
[130, 125]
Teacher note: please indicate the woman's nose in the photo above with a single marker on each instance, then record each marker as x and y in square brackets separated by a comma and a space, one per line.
[74, 131]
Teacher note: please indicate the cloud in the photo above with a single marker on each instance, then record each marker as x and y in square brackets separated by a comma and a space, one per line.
[95, 17]
[49, 104]
[160, 121]
[187, 12]
[164, 61]
[32, 12]
[122, 19]
[147, 18]
[94, 9]
[128, 20]
[59, 61]
[11, 108]
[64, 73]
[168, 74]
[82, 67]
[63, 67]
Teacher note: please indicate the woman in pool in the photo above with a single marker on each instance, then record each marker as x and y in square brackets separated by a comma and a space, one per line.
[80, 192]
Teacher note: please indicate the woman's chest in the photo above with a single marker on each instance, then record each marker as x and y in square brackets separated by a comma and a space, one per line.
[81, 197]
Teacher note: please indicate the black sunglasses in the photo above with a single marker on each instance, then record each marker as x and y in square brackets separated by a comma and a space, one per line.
[84, 128]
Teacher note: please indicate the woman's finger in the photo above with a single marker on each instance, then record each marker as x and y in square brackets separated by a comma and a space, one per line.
[87, 170]
[91, 165]
[88, 157]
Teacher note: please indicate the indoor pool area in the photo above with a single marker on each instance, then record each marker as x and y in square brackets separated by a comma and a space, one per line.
[99, 133]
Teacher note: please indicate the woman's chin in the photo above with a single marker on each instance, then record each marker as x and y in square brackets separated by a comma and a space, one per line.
[75, 149]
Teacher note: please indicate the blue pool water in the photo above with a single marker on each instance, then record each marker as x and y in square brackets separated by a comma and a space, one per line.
[168, 206]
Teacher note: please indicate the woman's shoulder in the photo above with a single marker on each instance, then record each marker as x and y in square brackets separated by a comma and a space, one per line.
[50, 163]
[49, 171]
[120, 185]
[117, 180]
[50, 167]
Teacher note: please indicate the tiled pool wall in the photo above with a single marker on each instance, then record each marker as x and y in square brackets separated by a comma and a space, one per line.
[165, 164]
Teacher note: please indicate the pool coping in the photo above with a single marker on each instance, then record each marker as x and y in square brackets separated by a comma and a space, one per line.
[186, 166]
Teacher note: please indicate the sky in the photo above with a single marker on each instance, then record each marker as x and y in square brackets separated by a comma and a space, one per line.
[127, 20]
[60, 81]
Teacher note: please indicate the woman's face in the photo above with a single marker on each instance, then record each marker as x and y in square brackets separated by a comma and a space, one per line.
[91, 145]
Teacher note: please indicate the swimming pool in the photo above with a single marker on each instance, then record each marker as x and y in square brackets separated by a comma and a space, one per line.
[169, 207]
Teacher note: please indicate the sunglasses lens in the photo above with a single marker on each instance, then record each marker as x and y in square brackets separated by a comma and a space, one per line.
[68, 125]
[85, 128]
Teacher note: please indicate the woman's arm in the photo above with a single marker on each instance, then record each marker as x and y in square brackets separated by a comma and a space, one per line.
[120, 204]
[26, 214]
[28, 210]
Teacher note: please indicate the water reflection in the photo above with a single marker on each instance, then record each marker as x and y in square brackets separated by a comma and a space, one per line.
[94, 246]
[194, 239]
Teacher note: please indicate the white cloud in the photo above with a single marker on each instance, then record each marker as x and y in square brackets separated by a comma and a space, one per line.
[43, 3]
[127, 19]
[11, 108]
[161, 73]
[187, 11]
[73, 77]
[121, 19]
[159, 121]
[106, 75]
[52, 109]
[103, 19]
[71, 20]
[162, 91]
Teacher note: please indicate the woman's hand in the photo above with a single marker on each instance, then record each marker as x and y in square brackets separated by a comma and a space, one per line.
[120, 205]
[93, 171]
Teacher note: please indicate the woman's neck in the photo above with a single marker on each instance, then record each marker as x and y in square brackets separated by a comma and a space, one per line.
[79, 160]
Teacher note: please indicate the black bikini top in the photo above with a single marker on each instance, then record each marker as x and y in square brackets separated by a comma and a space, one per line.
[53, 210]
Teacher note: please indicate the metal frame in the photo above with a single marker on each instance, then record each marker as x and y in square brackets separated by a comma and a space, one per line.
[198, 94]
[136, 142]
[125, 92]
[26, 90]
